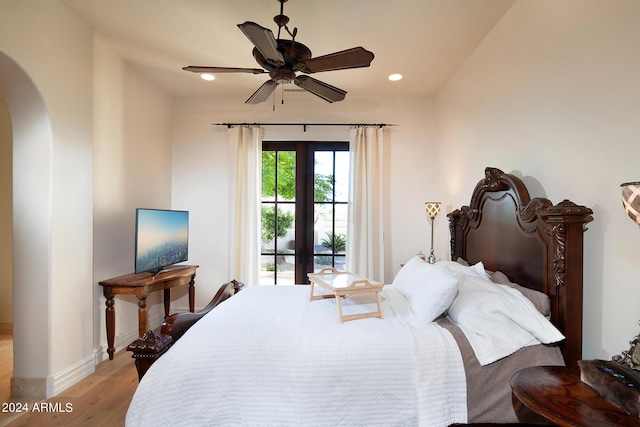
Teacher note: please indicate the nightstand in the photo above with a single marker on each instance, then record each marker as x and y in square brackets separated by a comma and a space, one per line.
[556, 393]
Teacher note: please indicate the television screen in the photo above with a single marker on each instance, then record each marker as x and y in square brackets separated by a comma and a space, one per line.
[162, 239]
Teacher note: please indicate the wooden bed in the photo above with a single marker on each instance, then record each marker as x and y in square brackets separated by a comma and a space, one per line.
[535, 243]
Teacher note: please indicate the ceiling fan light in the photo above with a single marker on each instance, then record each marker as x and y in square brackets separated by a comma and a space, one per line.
[395, 77]
[207, 76]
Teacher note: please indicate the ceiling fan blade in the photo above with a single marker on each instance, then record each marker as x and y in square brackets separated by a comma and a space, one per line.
[216, 70]
[323, 90]
[263, 39]
[356, 57]
[262, 93]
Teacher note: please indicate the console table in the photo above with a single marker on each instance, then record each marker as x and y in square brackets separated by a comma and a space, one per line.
[141, 285]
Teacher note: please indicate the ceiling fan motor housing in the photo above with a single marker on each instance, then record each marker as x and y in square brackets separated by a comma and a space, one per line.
[293, 54]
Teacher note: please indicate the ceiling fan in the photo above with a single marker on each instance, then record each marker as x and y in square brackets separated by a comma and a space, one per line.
[282, 58]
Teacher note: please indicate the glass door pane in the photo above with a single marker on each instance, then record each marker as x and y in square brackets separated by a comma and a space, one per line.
[278, 214]
[342, 160]
[331, 189]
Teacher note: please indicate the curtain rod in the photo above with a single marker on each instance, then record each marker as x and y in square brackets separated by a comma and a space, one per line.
[304, 125]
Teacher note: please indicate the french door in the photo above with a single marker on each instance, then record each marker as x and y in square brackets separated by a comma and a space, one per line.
[305, 192]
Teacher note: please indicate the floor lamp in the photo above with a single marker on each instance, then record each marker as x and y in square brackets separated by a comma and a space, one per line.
[432, 209]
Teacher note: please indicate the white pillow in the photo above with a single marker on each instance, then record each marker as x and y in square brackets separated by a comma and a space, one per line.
[476, 269]
[409, 275]
[429, 288]
[498, 320]
[434, 294]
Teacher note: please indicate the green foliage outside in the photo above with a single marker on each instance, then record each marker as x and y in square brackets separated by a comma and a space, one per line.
[335, 242]
[322, 188]
[286, 175]
[285, 221]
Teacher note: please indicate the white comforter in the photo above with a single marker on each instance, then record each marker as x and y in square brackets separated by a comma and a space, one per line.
[270, 357]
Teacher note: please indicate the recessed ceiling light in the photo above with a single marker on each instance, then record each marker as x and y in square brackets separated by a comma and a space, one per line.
[395, 77]
[205, 76]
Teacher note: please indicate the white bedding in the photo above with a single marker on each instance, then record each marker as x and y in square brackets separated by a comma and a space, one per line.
[498, 320]
[270, 357]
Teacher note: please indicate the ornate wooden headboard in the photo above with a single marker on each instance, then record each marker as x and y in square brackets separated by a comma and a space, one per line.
[535, 243]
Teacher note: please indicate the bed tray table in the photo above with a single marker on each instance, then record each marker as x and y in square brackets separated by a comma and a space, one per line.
[342, 284]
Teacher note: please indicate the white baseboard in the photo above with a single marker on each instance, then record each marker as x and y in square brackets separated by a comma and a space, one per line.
[72, 375]
[87, 366]
[44, 388]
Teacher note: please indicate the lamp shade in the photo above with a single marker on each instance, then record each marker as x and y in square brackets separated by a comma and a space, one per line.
[432, 208]
[631, 200]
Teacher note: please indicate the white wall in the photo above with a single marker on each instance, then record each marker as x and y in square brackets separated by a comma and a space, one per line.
[201, 169]
[553, 95]
[131, 169]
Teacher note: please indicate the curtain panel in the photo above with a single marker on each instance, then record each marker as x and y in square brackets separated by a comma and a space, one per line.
[366, 219]
[245, 148]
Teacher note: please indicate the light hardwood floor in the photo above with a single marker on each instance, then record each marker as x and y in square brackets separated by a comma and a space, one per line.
[101, 399]
[6, 365]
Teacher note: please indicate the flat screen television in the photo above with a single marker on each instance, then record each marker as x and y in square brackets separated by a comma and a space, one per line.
[162, 239]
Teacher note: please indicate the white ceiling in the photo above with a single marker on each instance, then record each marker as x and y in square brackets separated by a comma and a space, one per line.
[425, 40]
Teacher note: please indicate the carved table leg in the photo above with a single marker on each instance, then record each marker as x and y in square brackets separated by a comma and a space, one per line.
[142, 316]
[192, 294]
[111, 325]
[167, 302]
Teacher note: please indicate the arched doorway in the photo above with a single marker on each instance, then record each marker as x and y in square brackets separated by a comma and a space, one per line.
[32, 237]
